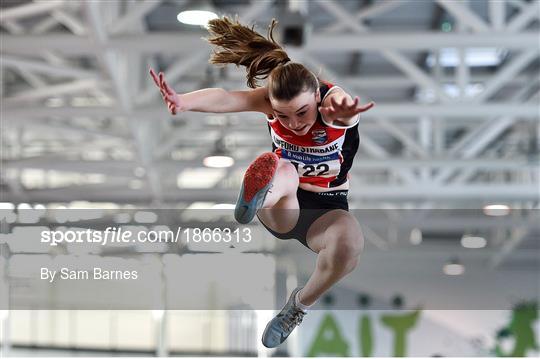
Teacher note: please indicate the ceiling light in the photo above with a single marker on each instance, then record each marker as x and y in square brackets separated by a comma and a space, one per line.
[474, 57]
[200, 177]
[7, 205]
[196, 17]
[139, 171]
[158, 314]
[122, 218]
[54, 102]
[145, 217]
[23, 206]
[220, 156]
[218, 161]
[224, 206]
[135, 184]
[416, 236]
[454, 267]
[470, 90]
[473, 242]
[496, 210]
[200, 205]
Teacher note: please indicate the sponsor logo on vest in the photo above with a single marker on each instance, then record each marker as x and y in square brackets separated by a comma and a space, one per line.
[319, 136]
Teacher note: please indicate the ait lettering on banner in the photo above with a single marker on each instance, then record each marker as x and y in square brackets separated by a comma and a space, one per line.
[403, 333]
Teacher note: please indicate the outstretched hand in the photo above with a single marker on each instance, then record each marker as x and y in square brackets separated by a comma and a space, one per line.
[169, 95]
[346, 108]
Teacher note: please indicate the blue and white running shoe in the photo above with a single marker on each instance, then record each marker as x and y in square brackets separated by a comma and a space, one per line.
[279, 328]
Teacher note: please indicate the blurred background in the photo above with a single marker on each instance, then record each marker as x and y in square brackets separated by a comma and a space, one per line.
[447, 170]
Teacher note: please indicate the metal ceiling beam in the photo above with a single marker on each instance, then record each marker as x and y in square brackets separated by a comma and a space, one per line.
[107, 56]
[55, 65]
[362, 83]
[13, 26]
[172, 74]
[530, 12]
[370, 146]
[415, 73]
[452, 111]
[369, 12]
[341, 15]
[134, 16]
[138, 45]
[508, 71]
[400, 61]
[122, 194]
[255, 8]
[179, 136]
[68, 88]
[465, 15]
[70, 21]
[497, 14]
[462, 73]
[419, 41]
[474, 148]
[44, 25]
[168, 43]
[403, 137]
[517, 235]
[426, 134]
[518, 4]
[112, 62]
[27, 10]
[397, 111]
[45, 127]
[42, 67]
[478, 139]
[183, 65]
[460, 144]
[62, 163]
[30, 77]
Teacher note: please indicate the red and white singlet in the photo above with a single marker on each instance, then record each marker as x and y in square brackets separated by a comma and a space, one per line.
[324, 155]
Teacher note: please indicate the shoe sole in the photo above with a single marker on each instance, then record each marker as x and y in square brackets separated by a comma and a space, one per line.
[258, 179]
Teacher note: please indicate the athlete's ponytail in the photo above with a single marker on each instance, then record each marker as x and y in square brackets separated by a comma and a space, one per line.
[262, 57]
[241, 45]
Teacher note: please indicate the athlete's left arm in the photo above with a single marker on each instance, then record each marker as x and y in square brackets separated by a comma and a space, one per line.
[339, 108]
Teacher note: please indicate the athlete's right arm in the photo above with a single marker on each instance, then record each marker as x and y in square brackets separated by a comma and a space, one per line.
[218, 100]
[215, 100]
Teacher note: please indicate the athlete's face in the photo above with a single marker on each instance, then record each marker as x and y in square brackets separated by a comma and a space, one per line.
[298, 114]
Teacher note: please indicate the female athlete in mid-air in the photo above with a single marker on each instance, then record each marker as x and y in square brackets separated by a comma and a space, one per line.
[314, 130]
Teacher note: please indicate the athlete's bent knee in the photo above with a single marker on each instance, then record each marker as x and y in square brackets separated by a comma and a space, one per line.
[346, 230]
[286, 168]
[344, 252]
[287, 172]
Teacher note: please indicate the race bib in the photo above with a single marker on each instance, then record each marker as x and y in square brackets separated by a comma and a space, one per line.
[309, 165]
[322, 160]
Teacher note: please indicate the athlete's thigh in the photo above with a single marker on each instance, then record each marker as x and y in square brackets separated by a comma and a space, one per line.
[283, 216]
[329, 226]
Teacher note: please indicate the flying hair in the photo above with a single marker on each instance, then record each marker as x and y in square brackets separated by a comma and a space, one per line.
[240, 45]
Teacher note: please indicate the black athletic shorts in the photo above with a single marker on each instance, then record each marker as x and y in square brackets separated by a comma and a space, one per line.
[312, 206]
